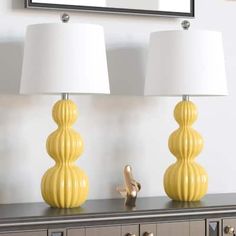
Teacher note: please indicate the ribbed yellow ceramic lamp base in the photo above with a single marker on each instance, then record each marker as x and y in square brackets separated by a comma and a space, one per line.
[185, 180]
[65, 185]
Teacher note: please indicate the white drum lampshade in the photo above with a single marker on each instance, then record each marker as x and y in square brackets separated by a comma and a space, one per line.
[187, 62]
[64, 58]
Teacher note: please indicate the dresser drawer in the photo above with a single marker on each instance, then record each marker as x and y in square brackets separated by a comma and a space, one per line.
[148, 230]
[76, 232]
[25, 233]
[173, 229]
[128, 230]
[102, 231]
[197, 228]
[185, 228]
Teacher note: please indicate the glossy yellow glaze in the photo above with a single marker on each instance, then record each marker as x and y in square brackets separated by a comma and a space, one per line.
[185, 180]
[65, 185]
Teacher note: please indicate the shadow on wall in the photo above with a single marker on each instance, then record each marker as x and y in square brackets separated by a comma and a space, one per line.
[126, 70]
[10, 66]
[11, 131]
[126, 67]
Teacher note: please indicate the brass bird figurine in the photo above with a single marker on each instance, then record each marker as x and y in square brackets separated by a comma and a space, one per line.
[131, 188]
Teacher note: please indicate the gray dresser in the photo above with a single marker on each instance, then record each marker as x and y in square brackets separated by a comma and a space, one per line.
[215, 215]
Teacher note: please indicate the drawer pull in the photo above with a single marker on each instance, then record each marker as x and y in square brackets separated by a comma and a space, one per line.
[130, 234]
[229, 230]
[148, 234]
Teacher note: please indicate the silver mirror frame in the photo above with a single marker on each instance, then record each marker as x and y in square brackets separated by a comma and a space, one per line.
[30, 4]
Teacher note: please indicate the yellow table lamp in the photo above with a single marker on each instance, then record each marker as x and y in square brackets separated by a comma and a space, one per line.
[64, 59]
[185, 63]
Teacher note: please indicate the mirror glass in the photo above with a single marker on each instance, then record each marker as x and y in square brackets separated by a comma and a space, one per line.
[158, 7]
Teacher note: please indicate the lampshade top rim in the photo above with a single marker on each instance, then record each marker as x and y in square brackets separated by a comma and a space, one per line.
[187, 31]
[73, 94]
[190, 95]
[65, 25]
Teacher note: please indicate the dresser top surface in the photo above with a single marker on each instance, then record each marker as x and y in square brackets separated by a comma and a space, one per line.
[115, 207]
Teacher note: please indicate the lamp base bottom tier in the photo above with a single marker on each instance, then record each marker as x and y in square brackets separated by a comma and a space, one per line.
[185, 181]
[64, 187]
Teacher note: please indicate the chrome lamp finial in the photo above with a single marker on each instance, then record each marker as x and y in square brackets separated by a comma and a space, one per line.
[185, 24]
[65, 18]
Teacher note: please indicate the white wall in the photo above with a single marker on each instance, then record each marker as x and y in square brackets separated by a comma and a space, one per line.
[117, 129]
